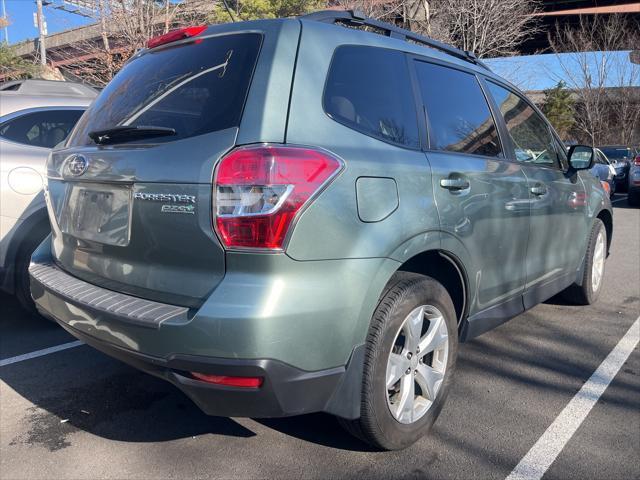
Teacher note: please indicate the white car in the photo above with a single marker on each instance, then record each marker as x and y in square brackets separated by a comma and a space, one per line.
[35, 115]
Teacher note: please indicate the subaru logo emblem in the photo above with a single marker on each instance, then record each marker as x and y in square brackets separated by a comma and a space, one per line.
[77, 165]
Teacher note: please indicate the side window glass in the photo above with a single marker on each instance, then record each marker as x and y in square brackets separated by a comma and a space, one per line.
[369, 90]
[531, 136]
[459, 116]
[45, 128]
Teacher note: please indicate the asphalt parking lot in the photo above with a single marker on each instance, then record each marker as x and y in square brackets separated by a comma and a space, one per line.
[76, 413]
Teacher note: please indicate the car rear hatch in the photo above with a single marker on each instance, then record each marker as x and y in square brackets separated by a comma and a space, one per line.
[131, 206]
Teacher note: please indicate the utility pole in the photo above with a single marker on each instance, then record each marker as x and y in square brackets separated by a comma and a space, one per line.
[6, 23]
[40, 19]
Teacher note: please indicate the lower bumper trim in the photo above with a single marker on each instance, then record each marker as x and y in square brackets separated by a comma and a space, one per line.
[286, 390]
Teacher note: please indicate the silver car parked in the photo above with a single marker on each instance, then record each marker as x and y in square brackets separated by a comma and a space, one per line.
[35, 115]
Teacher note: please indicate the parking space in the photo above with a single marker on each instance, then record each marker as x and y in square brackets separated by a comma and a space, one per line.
[77, 413]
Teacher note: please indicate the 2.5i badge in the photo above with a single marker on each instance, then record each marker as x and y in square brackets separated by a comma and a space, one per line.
[179, 203]
[191, 209]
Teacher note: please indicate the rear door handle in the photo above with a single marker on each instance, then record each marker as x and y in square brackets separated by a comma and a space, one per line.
[454, 184]
[539, 190]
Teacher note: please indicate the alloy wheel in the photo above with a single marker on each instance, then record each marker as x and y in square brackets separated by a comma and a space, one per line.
[417, 364]
[597, 268]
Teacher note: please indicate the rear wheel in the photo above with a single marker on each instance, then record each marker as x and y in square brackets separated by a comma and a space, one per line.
[409, 361]
[588, 291]
[633, 198]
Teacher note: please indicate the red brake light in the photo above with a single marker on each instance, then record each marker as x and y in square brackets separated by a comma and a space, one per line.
[175, 35]
[247, 382]
[259, 191]
[636, 162]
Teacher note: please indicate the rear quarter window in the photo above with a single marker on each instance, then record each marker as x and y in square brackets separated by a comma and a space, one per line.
[195, 88]
[368, 89]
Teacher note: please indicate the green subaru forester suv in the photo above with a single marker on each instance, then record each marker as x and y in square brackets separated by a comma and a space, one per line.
[308, 215]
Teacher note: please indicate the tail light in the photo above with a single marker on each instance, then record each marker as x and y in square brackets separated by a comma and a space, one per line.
[260, 190]
[636, 162]
[175, 35]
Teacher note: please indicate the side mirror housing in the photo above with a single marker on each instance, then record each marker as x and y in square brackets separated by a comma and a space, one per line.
[581, 157]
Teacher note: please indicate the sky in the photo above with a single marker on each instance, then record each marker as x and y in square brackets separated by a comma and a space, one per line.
[539, 72]
[20, 13]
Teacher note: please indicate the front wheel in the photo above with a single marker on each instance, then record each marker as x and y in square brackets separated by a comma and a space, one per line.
[588, 290]
[409, 361]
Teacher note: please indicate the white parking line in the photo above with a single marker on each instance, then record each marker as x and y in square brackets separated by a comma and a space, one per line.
[40, 353]
[537, 460]
[618, 199]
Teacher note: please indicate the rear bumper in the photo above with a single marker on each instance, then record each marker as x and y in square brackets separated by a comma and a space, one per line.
[169, 342]
[285, 391]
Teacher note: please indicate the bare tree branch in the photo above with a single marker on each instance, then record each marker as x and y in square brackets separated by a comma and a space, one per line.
[602, 77]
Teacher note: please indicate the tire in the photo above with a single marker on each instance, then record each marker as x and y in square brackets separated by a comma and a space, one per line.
[399, 307]
[587, 292]
[633, 199]
[23, 258]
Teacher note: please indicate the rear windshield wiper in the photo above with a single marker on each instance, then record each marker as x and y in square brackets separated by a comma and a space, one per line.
[127, 133]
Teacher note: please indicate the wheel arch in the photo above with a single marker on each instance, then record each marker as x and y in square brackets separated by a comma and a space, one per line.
[446, 268]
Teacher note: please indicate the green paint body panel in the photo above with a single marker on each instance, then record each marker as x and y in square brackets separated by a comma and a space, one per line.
[310, 306]
[377, 198]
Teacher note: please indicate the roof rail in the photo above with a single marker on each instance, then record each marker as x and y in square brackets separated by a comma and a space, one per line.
[356, 18]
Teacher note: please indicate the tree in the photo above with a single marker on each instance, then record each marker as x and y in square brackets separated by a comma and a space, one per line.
[488, 28]
[602, 76]
[124, 26]
[240, 10]
[559, 109]
[121, 28]
[13, 67]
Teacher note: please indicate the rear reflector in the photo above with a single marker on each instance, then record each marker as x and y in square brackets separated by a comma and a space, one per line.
[577, 199]
[175, 35]
[260, 190]
[246, 382]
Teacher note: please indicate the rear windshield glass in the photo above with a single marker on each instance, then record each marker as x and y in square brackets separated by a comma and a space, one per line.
[616, 152]
[193, 88]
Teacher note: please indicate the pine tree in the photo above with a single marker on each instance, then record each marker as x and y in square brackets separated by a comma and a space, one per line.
[559, 109]
[256, 9]
[13, 67]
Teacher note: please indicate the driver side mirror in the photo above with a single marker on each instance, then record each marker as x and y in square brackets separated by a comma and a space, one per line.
[581, 157]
